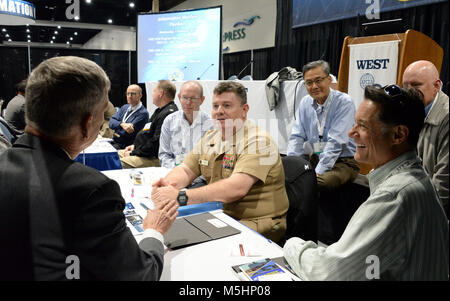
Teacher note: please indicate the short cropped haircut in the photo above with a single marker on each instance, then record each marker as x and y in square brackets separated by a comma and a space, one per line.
[168, 87]
[320, 63]
[63, 90]
[231, 86]
[196, 83]
[20, 87]
[405, 109]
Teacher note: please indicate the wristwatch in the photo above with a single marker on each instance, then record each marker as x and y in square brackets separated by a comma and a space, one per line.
[182, 197]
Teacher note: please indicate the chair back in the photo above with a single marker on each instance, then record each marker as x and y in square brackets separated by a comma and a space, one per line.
[301, 189]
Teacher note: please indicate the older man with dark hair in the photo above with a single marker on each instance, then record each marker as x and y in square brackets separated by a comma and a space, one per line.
[324, 118]
[66, 219]
[400, 232]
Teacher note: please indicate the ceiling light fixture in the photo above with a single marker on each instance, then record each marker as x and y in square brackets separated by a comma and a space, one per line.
[110, 21]
[56, 32]
[131, 4]
[75, 33]
[77, 18]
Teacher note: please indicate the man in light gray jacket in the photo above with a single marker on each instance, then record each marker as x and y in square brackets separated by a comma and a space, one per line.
[433, 141]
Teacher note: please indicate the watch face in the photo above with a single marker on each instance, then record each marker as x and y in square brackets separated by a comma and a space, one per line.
[182, 198]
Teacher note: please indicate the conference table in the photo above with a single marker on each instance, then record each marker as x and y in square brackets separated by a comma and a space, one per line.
[100, 155]
[208, 261]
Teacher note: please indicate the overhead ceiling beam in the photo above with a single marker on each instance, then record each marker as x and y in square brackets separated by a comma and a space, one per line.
[84, 25]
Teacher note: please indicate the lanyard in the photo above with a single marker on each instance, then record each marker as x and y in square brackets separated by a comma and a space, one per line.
[321, 125]
[126, 116]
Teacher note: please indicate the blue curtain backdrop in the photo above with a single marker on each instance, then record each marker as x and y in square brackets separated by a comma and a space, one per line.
[296, 46]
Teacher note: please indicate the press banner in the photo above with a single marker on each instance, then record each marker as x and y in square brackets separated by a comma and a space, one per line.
[371, 64]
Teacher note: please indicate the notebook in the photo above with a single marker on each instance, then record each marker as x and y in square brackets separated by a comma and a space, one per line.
[195, 229]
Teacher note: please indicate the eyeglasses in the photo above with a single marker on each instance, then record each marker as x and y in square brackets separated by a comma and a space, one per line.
[395, 92]
[131, 94]
[316, 81]
[192, 99]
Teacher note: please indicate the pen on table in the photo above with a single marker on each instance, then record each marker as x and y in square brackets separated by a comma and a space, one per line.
[145, 207]
[132, 192]
[241, 249]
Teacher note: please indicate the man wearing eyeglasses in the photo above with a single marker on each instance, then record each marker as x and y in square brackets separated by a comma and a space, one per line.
[183, 129]
[320, 131]
[144, 151]
[130, 119]
[400, 232]
[434, 137]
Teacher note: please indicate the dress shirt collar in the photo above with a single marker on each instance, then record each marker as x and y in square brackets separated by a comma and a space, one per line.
[317, 106]
[225, 146]
[135, 108]
[198, 118]
[379, 175]
[430, 105]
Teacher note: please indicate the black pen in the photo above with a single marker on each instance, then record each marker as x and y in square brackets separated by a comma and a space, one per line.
[145, 207]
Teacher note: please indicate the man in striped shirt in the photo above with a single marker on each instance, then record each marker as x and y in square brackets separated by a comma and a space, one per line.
[400, 232]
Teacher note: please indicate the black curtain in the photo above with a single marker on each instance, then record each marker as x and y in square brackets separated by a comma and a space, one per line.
[296, 47]
[14, 68]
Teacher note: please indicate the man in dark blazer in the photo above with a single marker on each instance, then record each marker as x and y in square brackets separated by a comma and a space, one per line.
[130, 119]
[144, 151]
[63, 220]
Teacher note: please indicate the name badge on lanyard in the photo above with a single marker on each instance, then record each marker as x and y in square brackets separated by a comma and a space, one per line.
[179, 159]
[320, 146]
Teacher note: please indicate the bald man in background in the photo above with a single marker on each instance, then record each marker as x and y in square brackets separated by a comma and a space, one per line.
[130, 119]
[432, 147]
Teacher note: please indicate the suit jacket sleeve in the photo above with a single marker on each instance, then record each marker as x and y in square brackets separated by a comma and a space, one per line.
[140, 120]
[116, 119]
[107, 247]
[150, 145]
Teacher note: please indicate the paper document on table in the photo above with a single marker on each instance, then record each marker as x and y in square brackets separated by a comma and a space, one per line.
[275, 269]
[135, 211]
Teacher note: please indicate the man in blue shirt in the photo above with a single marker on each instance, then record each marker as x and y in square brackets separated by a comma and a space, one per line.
[183, 129]
[130, 119]
[320, 131]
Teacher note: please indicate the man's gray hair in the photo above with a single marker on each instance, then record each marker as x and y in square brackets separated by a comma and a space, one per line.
[320, 63]
[63, 90]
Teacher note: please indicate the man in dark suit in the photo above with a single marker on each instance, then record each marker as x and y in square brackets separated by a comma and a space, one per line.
[63, 216]
[130, 119]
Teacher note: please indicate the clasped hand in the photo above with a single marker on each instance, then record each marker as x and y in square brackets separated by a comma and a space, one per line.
[162, 216]
[163, 191]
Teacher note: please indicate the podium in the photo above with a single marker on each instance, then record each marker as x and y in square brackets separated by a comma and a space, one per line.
[413, 46]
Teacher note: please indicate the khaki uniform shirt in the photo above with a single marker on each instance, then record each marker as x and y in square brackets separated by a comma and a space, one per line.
[253, 152]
